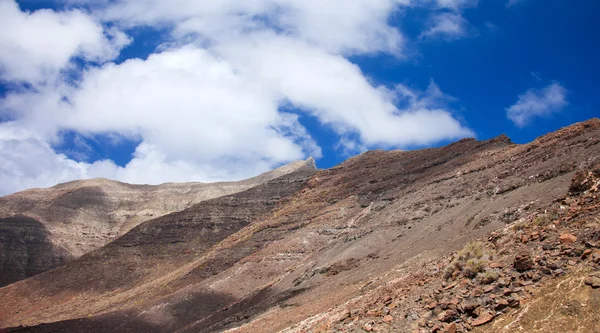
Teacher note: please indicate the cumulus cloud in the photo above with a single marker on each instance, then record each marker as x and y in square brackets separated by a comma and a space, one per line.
[337, 26]
[36, 46]
[221, 98]
[448, 26]
[538, 103]
[448, 22]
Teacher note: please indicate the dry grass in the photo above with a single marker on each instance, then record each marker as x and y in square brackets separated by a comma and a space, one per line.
[472, 260]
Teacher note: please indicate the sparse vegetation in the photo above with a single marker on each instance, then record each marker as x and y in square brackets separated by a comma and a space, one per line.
[540, 220]
[469, 262]
[488, 276]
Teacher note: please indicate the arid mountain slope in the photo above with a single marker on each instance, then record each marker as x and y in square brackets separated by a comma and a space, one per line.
[42, 228]
[330, 241]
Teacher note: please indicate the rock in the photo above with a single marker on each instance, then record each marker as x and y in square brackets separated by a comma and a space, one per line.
[479, 311]
[485, 300]
[374, 313]
[431, 305]
[496, 265]
[451, 328]
[593, 281]
[567, 238]
[347, 315]
[484, 318]
[368, 327]
[580, 183]
[526, 283]
[523, 262]
[586, 253]
[452, 285]
[488, 289]
[388, 319]
[501, 304]
[555, 265]
[596, 257]
[413, 317]
[503, 282]
[469, 305]
[447, 316]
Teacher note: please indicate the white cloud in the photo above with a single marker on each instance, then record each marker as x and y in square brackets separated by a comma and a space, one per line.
[338, 26]
[210, 105]
[28, 161]
[190, 108]
[336, 92]
[538, 103]
[447, 21]
[37, 46]
[456, 4]
[448, 26]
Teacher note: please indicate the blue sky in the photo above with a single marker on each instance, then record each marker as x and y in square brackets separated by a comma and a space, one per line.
[150, 93]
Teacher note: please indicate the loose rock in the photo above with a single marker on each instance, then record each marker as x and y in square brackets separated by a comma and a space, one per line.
[523, 263]
[567, 238]
[483, 319]
[593, 280]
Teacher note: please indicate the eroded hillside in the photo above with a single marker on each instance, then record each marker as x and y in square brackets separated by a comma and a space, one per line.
[326, 251]
[41, 229]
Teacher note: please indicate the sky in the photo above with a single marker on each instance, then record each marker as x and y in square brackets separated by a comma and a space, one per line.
[158, 91]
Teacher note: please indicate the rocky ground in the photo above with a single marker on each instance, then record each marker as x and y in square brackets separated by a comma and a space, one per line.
[477, 235]
[503, 274]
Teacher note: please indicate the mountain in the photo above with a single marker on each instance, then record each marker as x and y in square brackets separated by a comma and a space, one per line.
[475, 235]
[41, 229]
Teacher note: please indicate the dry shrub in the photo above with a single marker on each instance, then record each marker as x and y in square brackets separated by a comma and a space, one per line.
[488, 276]
[472, 260]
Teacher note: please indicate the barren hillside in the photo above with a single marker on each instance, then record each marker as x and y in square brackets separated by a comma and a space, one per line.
[361, 247]
[41, 229]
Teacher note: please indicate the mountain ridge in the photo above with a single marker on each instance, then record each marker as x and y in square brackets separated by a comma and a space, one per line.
[71, 219]
[335, 237]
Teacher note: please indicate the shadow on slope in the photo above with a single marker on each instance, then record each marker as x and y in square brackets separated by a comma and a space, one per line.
[25, 249]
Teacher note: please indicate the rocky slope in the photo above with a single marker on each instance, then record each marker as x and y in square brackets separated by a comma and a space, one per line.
[540, 273]
[41, 229]
[364, 246]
